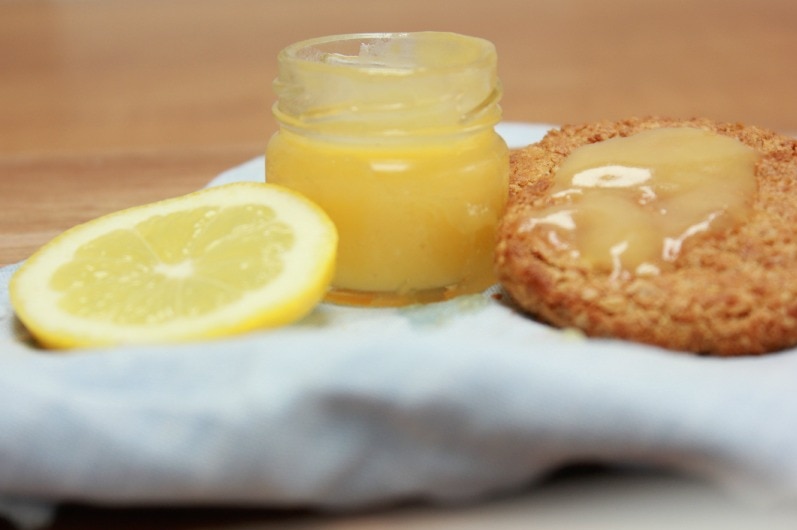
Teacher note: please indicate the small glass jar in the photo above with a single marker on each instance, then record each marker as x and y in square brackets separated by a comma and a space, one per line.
[393, 136]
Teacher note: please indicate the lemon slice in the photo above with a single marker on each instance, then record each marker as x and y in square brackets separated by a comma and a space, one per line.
[215, 262]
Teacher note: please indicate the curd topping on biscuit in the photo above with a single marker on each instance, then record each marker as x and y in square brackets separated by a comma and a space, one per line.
[628, 204]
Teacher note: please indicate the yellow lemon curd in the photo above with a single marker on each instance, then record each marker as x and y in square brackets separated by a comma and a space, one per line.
[628, 205]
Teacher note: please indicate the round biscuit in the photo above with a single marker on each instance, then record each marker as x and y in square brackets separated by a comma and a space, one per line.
[728, 293]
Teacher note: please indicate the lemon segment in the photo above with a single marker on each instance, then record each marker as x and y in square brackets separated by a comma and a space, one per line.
[215, 262]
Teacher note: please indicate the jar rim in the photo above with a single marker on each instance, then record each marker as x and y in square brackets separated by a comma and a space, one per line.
[375, 55]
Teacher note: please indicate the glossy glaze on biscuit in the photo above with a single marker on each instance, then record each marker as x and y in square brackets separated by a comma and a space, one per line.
[728, 293]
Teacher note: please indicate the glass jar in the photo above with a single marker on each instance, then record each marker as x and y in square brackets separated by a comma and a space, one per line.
[393, 136]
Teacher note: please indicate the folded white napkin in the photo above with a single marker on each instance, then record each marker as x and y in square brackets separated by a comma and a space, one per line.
[356, 406]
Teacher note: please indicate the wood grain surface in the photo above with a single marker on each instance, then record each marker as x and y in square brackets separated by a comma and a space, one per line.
[110, 103]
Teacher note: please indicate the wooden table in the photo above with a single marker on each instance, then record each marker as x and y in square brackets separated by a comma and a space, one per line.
[110, 103]
[106, 104]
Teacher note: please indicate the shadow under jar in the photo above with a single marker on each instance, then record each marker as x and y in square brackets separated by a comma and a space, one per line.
[393, 136]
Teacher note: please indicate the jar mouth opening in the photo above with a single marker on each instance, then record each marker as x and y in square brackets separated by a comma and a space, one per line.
[391, 54]
[382, 83]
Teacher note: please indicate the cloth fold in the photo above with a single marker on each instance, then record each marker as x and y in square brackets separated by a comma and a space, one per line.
[356, 406]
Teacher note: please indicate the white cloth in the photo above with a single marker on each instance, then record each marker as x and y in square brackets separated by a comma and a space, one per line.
[356, 406]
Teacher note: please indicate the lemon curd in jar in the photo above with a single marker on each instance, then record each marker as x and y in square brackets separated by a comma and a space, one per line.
[392, 135]
[628, 205]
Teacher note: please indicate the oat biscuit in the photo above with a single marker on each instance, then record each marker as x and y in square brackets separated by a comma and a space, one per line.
[732, 292]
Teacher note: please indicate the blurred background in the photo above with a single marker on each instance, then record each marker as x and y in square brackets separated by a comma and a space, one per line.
[138, 100]
[89, 75]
